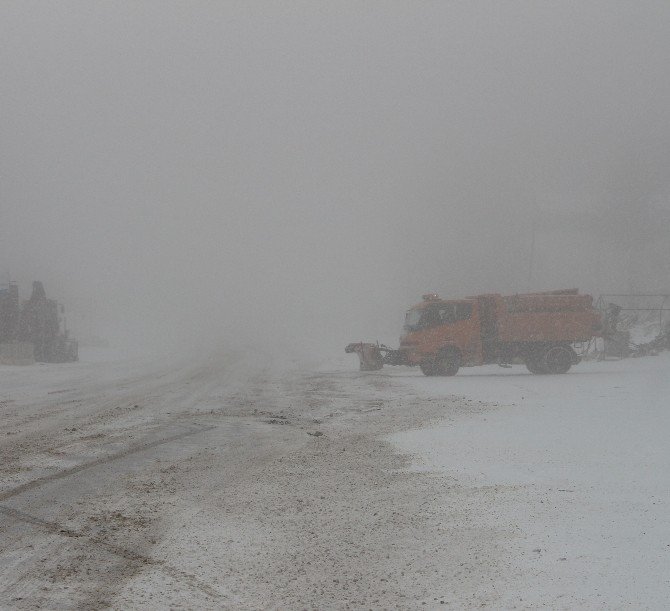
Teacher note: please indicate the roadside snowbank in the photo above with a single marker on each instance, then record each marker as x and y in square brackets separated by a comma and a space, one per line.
[580, 466]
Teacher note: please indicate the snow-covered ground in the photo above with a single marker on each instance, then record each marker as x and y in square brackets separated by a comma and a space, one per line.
[235, 482]
[575, 469]
[218, 482]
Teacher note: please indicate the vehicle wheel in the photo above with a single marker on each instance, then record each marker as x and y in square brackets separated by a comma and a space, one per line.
[427, 368]
[558, 359]
[534, 365]
[447, 364]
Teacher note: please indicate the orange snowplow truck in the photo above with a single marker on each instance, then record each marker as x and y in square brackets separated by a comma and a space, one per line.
[442, 335]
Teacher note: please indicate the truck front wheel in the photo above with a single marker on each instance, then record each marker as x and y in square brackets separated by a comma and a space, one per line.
[447, 363]
[427, 368]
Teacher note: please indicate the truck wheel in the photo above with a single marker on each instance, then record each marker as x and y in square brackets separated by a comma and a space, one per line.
[447, 363]
[534, 365]
[427, 368]
[558, 359]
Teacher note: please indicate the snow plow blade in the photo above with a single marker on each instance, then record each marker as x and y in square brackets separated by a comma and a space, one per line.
[369, 355]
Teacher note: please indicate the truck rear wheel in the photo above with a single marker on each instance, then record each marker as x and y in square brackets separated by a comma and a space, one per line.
[534, 365]
[559, 359]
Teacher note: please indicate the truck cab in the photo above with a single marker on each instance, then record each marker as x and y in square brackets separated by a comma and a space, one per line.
[438, 327]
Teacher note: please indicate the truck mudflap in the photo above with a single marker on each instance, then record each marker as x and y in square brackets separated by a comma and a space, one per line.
[373, 357]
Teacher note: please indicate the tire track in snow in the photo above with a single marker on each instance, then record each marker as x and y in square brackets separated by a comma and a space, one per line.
[126, 554]
[41, 481]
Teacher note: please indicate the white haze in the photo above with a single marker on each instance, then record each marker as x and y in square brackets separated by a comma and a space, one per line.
[295, 174]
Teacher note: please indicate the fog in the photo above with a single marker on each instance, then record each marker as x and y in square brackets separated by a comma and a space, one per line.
[295, 174]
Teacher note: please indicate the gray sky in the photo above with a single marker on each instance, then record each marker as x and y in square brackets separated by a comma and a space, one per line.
[303, 171]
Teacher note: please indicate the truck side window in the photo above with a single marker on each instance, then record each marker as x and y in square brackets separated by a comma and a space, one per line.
[454, 312]
[430, 318]
[463, 311]
[446, 314]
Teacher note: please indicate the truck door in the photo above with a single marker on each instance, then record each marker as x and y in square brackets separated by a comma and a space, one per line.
[460, 328]
[489, 330]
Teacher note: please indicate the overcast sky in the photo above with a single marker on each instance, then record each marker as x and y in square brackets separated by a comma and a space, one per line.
[303, 171]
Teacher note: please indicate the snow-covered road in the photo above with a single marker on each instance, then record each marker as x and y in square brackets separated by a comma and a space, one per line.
[217, 483]
[238, 483]
[580, 469]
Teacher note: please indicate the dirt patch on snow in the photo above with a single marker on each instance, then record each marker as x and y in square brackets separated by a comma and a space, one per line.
[283, 494]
